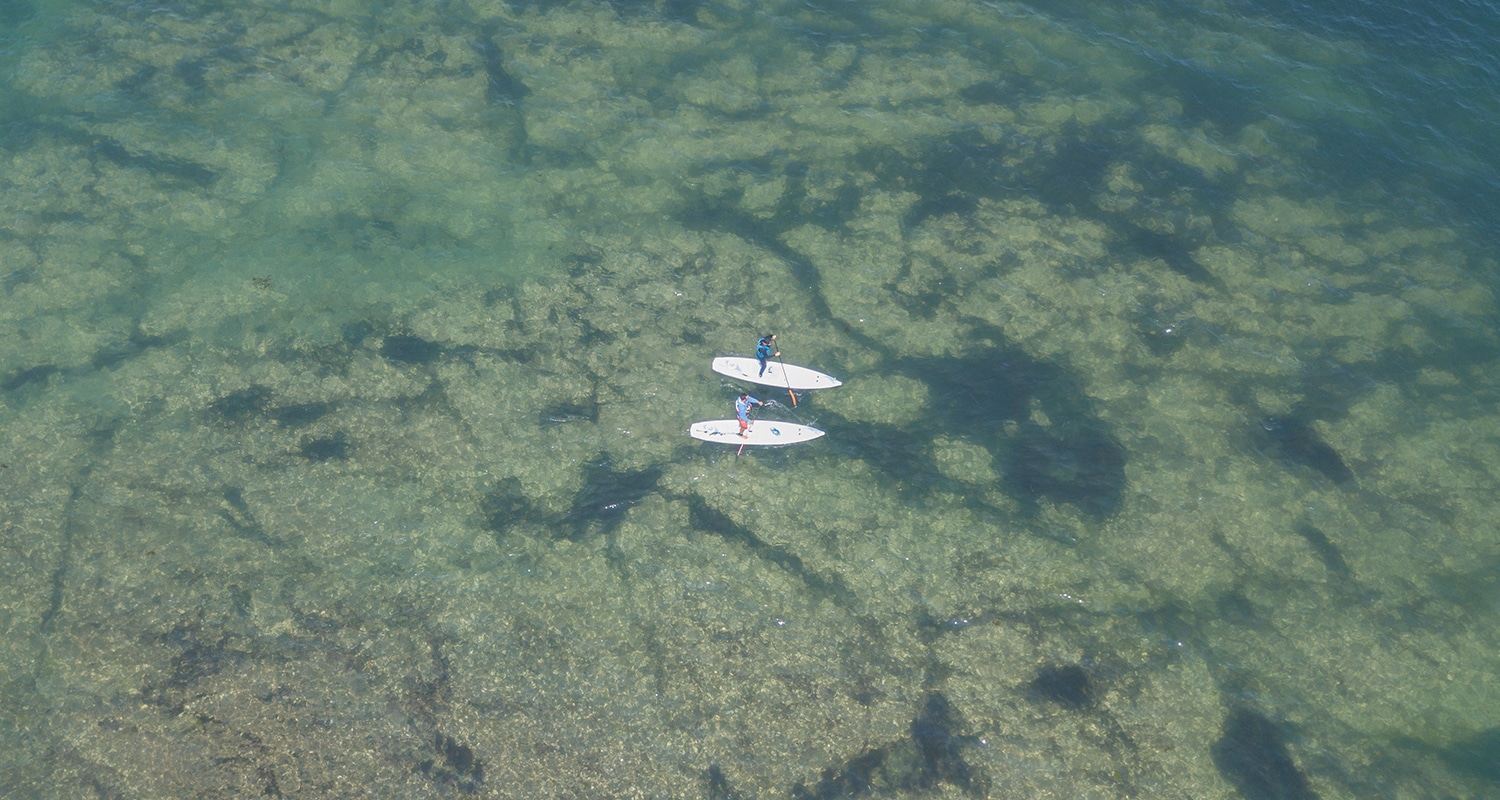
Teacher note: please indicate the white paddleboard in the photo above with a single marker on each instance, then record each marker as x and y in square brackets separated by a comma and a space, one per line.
[762, 431]
[783, 376]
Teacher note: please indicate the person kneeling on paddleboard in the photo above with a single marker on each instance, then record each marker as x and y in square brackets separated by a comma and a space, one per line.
[742, 411]
[763, 350]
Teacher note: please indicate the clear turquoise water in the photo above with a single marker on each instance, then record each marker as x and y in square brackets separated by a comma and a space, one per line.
[348, 353]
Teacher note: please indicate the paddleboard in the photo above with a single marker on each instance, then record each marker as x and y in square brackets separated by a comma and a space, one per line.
[781, 376]
[762, 431]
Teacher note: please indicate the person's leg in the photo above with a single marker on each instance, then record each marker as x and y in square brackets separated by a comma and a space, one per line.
[762, 367]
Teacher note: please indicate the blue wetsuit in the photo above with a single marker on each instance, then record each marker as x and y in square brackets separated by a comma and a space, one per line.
[763, 352]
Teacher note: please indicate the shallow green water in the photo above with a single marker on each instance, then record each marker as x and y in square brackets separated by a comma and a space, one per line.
[349, 351]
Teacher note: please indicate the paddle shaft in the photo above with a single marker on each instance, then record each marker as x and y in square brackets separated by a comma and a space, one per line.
[787, 379]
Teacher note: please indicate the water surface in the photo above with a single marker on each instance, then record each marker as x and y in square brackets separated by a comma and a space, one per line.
[348, 353]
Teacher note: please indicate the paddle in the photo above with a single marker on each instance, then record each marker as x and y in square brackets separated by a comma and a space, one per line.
[786, 379]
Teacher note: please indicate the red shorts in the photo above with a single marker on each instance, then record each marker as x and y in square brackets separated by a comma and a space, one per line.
[744, 426]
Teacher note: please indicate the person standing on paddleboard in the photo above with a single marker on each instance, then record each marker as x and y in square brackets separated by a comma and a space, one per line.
[763, 351]
[742, 411]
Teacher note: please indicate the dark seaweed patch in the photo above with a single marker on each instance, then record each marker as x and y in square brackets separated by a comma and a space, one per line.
[1163, 178]
[583, 262]
[930, 757]
[501, 87]
[1066, 685]
[243, 404]
[191, 71]
[716, 786]
[594, 336]
[161, 166]
[59, 582]
[334, 448]
[1329, 387]
[1293, 441]
[605, 497]
[459, 768]
[1327, 552]
[1161, 329]
[1175, 628]
[137, 343]
[707, 519]
[1235, 608]
[242, 600]
[1252, 755]
[683, 11]
[20, 378]
[981, 397]
[242, 523]
[136, 82]
[1479, 755]
[941, 205]
[200, 661]
[1001, 92]
[949, 177]
[857, 777]
[828, 212]
[197, 657]
[15, 12]
[965, 163]
[299, 414]
[704, 213]
[942, 761]
[10, 280]
[892, 450]
[1173, 251]
[235, 497]
[979, 393]
[1353, 153]
[346, 229]
[1210, 95]
[505, 505]
[1070, 177]
[405, 349]
[355, 333]
[720, 214]
[564, 413]
[1081, 467]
